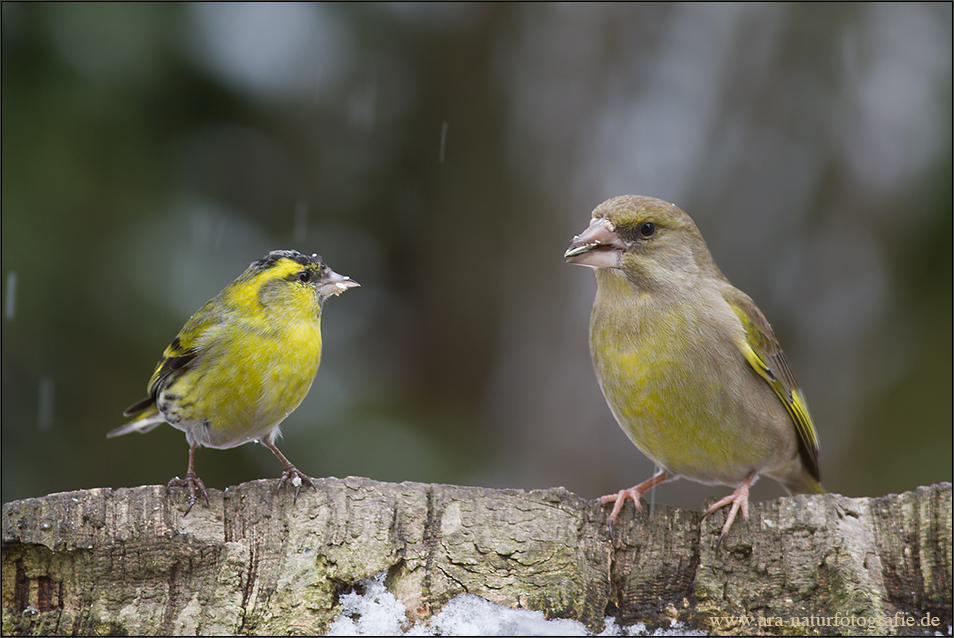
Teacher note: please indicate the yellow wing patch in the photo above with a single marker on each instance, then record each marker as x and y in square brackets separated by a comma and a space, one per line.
[765, 356]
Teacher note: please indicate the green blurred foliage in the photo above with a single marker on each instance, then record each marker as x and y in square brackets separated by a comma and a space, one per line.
[444, 155]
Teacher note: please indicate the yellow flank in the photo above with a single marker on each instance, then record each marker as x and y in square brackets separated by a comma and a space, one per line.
[245, 360]
[674, 413]
[249, 390]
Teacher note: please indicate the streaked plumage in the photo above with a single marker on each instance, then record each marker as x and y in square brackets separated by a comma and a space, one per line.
[243, 362]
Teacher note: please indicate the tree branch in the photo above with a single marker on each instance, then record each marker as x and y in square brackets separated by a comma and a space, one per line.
[127, 561]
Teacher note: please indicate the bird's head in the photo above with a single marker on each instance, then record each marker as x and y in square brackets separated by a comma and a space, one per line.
[652, 242]
[287, 280]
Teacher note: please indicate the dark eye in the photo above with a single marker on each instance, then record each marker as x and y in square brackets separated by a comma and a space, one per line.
[304, 276]
[647, 229]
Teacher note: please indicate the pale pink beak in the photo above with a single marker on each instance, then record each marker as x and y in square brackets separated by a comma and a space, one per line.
[597, 247]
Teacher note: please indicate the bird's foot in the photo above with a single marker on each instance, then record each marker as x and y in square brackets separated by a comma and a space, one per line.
[739, 499]
[634, 494]
[619, 499]
[195, 484]
[297, 478]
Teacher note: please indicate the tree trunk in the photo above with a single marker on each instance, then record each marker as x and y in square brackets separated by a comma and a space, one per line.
[127, 561]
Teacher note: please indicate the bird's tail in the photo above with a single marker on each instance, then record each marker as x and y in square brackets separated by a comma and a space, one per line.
[796, 479]
[807, 485]
[147, 419]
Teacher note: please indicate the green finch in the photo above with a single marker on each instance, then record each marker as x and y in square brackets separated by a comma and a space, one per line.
[688, 364]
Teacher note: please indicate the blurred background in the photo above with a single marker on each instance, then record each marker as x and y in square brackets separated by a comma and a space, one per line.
[444, 155]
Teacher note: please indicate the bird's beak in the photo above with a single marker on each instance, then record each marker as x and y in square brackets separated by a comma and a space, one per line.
[598, 246]
[334, 284]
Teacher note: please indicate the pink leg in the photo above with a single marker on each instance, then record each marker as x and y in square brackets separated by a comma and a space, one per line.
[739, 500]
[634, 493]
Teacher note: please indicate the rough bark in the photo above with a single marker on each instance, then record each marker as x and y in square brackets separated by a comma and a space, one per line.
[127, 561]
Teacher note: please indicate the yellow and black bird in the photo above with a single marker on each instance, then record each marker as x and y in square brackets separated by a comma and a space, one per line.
[243, 362]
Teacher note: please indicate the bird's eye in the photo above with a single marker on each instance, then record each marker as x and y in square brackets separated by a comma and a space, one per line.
[304, 276]
[647, 229]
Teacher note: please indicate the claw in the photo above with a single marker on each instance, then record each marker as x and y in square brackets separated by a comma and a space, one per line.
[194, 483]
[739, 500]
[296, 477]
[291, 474]
[191, 481]
[634, 494]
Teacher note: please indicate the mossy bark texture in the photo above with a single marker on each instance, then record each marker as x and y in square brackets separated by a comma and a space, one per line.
[254, 561]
